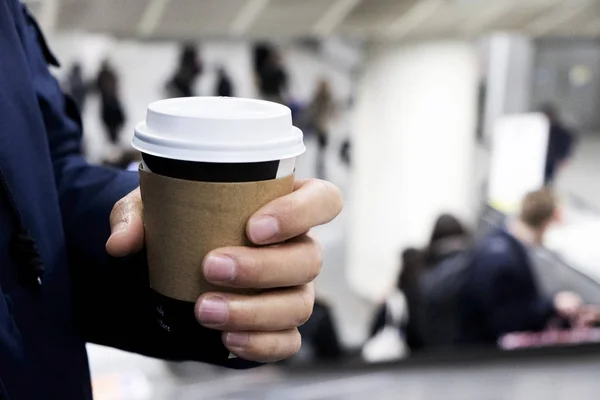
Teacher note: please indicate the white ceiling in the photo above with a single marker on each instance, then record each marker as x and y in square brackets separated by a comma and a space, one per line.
[394, 19]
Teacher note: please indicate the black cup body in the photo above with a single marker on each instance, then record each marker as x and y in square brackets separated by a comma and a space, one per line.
[212, 172]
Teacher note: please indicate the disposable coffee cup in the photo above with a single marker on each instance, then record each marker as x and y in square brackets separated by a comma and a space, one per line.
[209, 163]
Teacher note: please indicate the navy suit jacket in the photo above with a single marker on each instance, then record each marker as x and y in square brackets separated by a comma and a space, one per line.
[58, 287]
[501, 293]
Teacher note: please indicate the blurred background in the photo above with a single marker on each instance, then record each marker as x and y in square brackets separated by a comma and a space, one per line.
[415, 109]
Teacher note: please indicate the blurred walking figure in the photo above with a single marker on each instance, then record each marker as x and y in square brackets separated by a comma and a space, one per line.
[224, 87]
[189, 68]
[111, 108]
[75, 85]
[319, 117]
[560, 143]
[273, 78]
[261, 54]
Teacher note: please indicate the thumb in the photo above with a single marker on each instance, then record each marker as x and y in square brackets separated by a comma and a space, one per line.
[126, 225]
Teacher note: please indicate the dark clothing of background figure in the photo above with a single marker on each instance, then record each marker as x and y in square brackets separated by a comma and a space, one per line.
[408, 285]
[261, 54]
[113, 117]
[273, 83]
[345, 151]
[501, 295]
[408, 330]
[58, 287]
[76, 86]
[189, 68]
[319, 333]
[224, 86]
[560, 145]
[180, 86]
[441, 283]
[111, 109]
[323, 141]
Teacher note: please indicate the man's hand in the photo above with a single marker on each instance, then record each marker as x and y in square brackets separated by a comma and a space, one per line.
[261, 327]
[568, 305]
[589, 316]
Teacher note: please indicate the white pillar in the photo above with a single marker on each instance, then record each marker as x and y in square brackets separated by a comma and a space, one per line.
[413, 152]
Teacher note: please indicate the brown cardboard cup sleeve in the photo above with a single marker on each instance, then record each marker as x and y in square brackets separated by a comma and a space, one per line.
[185, 220]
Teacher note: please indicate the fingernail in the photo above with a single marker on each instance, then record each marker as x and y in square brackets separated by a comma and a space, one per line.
[263, 229]
[219, 269]
[213, 311]
[237, 340]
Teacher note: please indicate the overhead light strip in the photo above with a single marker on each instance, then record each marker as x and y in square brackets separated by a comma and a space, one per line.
[336, 14]
[559, 15]
[247, 16]
[151, 17]
[491, 13]
[414, 17]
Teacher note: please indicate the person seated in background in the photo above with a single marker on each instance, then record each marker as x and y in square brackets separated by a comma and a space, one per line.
[560, 143]
[440, 283]
[501, 295]
[400, 306]
[320, 339]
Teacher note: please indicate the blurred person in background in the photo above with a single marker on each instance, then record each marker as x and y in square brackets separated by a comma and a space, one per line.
[188, 70]
[273, 78]
[560, 143]
[501, 295]
[75, 85]
[400, 309]
[441, 281]
[261, 53]
[111, 107]
[320, 339]
[319, 116]
[73, 266]
[224, 86]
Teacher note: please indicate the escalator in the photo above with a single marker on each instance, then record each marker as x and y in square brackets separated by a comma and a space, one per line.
[557, 267]
[555, 373]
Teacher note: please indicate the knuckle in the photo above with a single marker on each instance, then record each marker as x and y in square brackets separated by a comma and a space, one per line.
[287, 210]
[119, 206]
[317, 263]
[262, 347]
[251, 318]
[333, 195]
[250, 269]
[242, 315]
[307, 298]
[297, 342]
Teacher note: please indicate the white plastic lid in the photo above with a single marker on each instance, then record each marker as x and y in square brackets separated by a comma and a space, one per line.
[219, 130]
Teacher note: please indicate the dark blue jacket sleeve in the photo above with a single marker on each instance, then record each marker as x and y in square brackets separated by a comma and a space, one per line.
[508, 296]
[112, 304]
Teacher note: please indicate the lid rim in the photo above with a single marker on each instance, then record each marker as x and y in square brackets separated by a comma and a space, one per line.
[209, 129]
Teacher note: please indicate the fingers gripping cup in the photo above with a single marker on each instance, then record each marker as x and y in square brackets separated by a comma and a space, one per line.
[208, 165]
